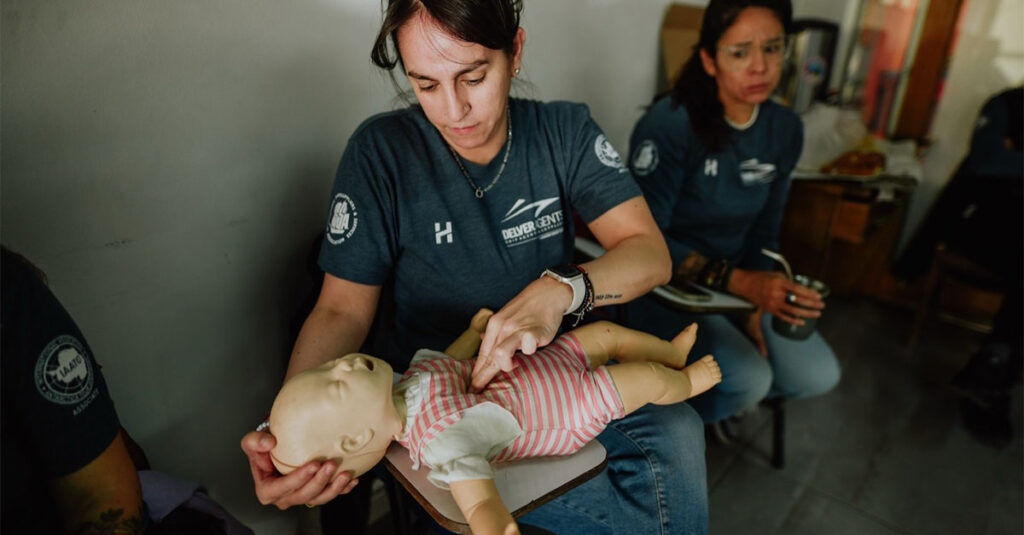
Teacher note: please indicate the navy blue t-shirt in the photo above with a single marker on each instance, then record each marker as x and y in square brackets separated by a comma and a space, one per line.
[403, 215]
[727, 204]
[57, 413]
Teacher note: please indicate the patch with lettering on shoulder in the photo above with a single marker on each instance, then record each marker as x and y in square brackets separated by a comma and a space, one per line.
[343, 220]
[607, 154]
[645, 157]
[64, 373]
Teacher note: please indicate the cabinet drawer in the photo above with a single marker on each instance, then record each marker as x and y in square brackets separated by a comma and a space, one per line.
[850, 221]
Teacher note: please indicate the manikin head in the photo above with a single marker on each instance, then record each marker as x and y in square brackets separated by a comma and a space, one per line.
[341, 410]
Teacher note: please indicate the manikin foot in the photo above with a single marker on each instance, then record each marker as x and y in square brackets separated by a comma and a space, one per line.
[684, 343]
[704, 374]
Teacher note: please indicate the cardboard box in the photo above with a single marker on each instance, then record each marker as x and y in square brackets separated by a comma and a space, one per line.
[680, 30]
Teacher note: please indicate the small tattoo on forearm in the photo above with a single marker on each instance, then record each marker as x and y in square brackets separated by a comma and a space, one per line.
[605, 297]
[110, 522]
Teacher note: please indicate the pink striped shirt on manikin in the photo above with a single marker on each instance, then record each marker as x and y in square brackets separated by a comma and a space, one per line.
[558, 401]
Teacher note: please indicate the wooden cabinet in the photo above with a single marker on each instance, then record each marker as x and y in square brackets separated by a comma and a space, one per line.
[843, 234]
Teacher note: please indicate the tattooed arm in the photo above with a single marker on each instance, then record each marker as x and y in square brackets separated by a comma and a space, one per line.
[102, 497]
[636, 258]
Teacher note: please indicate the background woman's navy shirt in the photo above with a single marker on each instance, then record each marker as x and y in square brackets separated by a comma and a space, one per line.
[726, 204]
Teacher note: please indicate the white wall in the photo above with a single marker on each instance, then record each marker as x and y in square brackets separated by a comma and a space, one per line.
[167, 163]
[989, 57]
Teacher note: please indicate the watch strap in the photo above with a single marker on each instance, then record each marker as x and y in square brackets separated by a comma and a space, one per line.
[576, 283]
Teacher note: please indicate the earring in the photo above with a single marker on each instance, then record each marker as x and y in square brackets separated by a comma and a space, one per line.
[515, 72]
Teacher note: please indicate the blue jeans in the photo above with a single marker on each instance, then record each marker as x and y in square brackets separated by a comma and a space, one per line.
[793, 369]
[655, 481]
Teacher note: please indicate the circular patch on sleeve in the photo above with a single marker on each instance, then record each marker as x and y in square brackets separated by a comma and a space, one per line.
[64, 373]
[343, 220]
[645, 157]
[607, 153]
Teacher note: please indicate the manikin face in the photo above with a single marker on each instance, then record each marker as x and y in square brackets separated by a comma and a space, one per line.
[462, 87]
[340, 410]
[748, 59]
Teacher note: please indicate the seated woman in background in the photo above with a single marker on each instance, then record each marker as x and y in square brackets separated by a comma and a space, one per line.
[714, 157]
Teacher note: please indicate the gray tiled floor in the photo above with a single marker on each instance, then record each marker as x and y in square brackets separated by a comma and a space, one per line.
[884, 453]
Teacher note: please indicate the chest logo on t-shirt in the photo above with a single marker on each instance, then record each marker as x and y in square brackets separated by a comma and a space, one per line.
[754, 172]
[541, 222]
[63, 373]
[710, 167]
[442, 233]
[645, 158]
[607, 154]
[343, 220]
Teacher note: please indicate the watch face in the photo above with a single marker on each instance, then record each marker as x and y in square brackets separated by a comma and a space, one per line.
[565, 270]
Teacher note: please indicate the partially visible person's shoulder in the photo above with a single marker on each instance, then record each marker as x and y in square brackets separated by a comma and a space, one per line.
[21, 280]
[387, 125]
[1009, 94]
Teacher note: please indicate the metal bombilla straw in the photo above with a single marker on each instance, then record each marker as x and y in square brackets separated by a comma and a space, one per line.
[780, 259]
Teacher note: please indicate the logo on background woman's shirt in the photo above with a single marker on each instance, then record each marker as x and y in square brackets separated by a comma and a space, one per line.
[63, 372]
[645, 157]
[607, 153]
[343, 220]
[755, 172]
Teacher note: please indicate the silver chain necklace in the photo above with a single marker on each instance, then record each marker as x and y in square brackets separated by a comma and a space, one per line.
[477, 190]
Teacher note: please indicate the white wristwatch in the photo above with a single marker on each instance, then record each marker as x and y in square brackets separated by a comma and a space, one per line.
[571, 275]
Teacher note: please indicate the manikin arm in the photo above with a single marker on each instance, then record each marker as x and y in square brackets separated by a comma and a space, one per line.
[468, 342]
[649, 369]
[479, 502]
[478, 499]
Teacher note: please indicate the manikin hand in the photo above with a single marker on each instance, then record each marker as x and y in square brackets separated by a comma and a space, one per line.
[768, 290]
[530, 320]
[311, 484]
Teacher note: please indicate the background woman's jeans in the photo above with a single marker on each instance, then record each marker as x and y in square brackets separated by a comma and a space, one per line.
[655, 481]
[793, 369]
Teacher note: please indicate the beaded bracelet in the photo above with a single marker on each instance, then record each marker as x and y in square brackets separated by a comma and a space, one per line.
[715, 274]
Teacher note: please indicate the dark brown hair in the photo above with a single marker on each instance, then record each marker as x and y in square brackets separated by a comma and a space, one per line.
[695, 88]
[491, 23]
